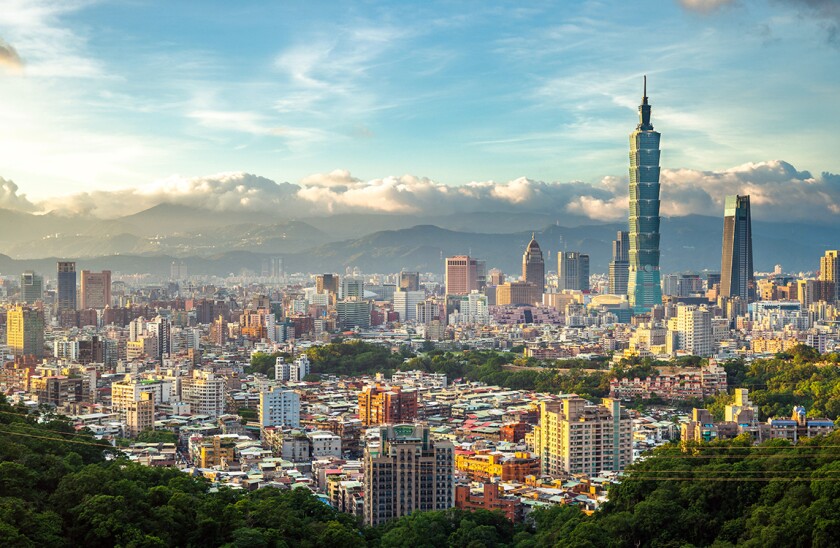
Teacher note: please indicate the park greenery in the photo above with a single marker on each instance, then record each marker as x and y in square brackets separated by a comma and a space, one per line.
[61, 487]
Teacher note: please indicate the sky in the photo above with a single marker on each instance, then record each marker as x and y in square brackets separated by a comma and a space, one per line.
[410, 107]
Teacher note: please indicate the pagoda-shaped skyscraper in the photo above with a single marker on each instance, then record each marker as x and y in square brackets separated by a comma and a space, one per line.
[643, 287]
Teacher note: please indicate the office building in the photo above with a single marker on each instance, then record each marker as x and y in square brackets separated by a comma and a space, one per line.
[66, 286]
[25, 331]
[410, 281]
[518, 293]
[96, 289]
[327, 283]
[31, 287]
[353, 313]
[643, 285]
[407, 472]
[577, 437]
[736, 268]
[381, 404]
[461, 275]
[352, 288]
[620, 264]
[279, 407]
[405, 304]
[830, 273]
[572, 271]
[533, 266]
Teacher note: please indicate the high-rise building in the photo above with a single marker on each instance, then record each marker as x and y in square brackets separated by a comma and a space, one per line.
[577, 437]
[31, 287]
[643, 285]
[407, 472]
[352, 313]
[461, 275]
[381, 404]
[25, 331]
[405, 304]
[96, 289]
[205, 392]
[279, 407]
[352, 287]
[572, 271]
[518, 293]
[736, 269]
[66, 286]
[620, 263]
[691, 330]
[830, 272]
[410, 281]
[327, 283]
[533, 265]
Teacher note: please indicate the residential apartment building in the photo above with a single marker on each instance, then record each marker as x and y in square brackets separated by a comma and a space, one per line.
[407, 472]
[381, 404]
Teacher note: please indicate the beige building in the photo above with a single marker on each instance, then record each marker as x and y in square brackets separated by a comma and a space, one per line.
[126, 392]
[205, 392]
[140, 415]
[518, 293]
[691, 330]
[577, 437]
[96, 289]
[407, 472]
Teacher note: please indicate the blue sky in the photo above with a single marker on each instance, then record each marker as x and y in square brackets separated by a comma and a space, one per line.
[105, 96]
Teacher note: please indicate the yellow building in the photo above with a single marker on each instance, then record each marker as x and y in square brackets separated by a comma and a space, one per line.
[483, 465]
[25, 331]
[140, 415]
[217, 451]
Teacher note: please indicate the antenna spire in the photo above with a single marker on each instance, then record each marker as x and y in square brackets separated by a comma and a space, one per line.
[644, 92]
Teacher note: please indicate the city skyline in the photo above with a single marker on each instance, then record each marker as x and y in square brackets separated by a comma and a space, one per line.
[491, 126]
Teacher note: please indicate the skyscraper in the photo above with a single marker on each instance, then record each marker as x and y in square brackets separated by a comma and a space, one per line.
[830, 272]
[643, 287]
[736, 269]
[461, 275]
[96, 289]
[620, 263]
[533, 265]
[410, 281]
[66, 286]
[25, 331]
[31, 287]
[572, 270]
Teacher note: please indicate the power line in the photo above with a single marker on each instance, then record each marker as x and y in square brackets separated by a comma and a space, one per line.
[109, 446]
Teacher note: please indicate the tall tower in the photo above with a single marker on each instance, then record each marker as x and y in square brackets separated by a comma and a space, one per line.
[643, 286]
[572, 270]
[620, 263]
[736, 267]
[533, 265]
[830, 272]
[66, 285]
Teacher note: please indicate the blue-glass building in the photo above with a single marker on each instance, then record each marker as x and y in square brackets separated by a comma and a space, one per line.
[643, 286]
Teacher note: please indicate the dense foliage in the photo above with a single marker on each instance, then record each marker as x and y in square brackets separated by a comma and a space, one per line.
[60, 487]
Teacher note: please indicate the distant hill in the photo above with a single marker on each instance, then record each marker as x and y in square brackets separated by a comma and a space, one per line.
[225, 243]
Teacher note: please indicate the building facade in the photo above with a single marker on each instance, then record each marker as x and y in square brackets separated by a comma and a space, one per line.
[533, 266]
[407, 472]
[736, 268]
[279, 407]
[461, 275]
[643, 286]
[577, 437]
[620, 264]
[572, 271]
[381, 404]
[25, 331]
[96, 289]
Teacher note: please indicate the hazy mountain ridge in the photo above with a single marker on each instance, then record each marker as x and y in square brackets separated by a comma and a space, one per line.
[216, 244]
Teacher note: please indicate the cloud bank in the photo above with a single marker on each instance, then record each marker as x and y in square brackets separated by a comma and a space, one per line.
[9, 58]
[777, 190]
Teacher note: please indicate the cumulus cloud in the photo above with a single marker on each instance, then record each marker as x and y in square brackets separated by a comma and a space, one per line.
[777, 190]
[9, 58]
[10, 199]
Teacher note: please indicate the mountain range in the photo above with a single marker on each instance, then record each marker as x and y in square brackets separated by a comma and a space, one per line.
[223, 243]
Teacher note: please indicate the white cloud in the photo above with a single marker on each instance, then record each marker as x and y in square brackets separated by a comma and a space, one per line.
[777, 190]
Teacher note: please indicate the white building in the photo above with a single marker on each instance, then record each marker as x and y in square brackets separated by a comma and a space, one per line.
[279, 407]
[205, 392]
[299, 369]
[691, 330]
[324, 444]
[405, 304]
